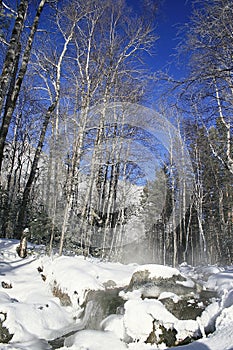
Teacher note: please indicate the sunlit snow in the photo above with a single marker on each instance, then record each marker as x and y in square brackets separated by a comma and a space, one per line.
[33, 315]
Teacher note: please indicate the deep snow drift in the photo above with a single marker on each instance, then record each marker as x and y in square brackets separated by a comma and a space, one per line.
[41, 299]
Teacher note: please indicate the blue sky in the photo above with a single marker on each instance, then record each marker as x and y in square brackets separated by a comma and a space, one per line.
[172, 14]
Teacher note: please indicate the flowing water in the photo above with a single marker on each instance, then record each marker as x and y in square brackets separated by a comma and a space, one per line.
[102, 303]
[99, 304]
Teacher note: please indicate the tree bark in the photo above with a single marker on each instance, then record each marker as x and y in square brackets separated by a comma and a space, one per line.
[11, 55]
[12, 99]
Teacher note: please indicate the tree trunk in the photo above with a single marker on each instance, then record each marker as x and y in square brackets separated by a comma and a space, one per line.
[11, 55]
[26, 195]
[22, 248]
[12, 99]
[22, 219]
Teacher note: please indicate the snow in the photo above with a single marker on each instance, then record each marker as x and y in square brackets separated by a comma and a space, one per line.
[34, 315]
[115, 324]
[78, 275]
[170, 295]
[138, 328]
[158, 271]
[94, 340]
[221, 280]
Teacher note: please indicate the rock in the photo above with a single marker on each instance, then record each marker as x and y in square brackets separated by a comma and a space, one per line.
[152, 287]
[183, 309]
[109, 284]
[22, 248]
[105, 303]
[43, 277]
[158, 286]
[162, 335]
[138, 279]
[5, 335]
[6, 285]
[63, 297]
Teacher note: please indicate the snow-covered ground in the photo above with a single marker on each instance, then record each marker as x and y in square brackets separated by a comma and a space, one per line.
[32, 312]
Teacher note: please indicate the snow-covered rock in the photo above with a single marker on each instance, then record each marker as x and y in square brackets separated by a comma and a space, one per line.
[153, 280]
[31, 312]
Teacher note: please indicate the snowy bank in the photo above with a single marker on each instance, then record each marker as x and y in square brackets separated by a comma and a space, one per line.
[43, 298]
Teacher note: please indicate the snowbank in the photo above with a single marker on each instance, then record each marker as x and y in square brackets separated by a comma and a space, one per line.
[33, 315]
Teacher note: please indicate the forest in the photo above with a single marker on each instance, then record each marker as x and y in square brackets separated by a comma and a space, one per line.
[100, 154]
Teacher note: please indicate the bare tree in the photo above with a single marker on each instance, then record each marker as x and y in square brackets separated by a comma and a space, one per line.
[12, 75]
[106, 51]
[67, 37]
[209, 43]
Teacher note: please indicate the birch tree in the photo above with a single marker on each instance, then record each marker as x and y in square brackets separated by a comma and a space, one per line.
[57, 66]
[205, 97]
[12, 72]
[209, 43]
[106, 51]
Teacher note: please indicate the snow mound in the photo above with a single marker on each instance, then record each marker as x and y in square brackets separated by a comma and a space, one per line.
[220, 281]
[34, 315]
[77, 275]
[139, 328]
[158, 271]
[94, 340]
